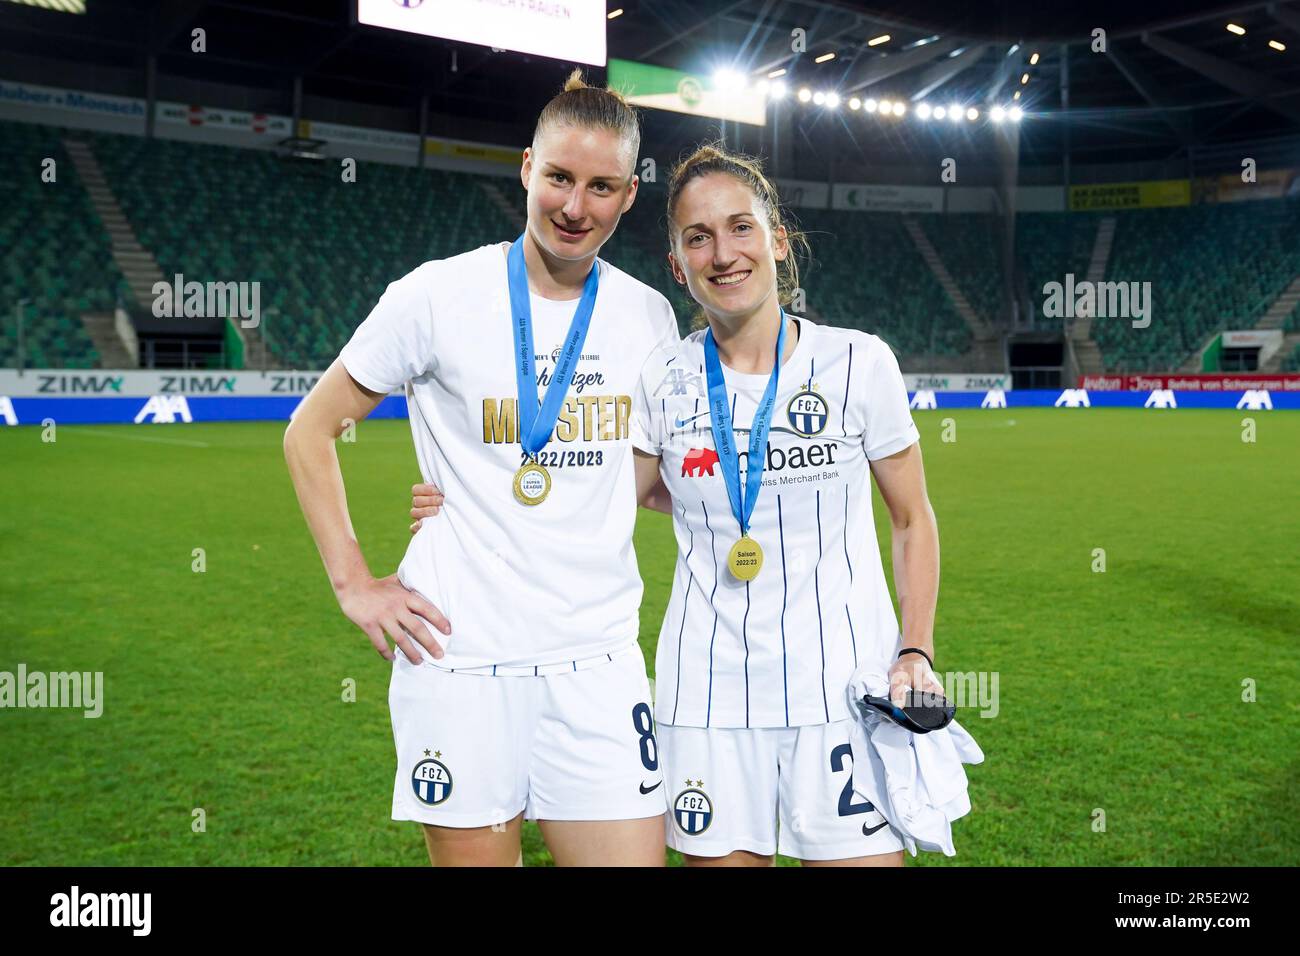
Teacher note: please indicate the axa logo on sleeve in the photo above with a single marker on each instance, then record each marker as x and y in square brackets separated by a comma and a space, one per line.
[103, 909]
[680, 382]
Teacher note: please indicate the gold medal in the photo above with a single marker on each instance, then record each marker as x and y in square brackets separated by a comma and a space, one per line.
[745, 559]
[532, 483]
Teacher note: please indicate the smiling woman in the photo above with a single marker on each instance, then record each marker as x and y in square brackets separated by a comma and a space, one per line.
[537, 703]
[699, 241]
[801, 418]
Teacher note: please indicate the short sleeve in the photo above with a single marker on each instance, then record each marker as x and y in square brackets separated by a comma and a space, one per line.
[395, 342]
[889, 426]
[645, 427]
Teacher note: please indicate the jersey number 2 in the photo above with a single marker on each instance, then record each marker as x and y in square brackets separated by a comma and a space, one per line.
[847, 807]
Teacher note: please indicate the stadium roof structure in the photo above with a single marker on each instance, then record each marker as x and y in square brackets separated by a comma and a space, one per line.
[1173, 77]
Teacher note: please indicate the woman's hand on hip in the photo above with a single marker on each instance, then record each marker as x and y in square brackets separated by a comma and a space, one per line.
[382, 606]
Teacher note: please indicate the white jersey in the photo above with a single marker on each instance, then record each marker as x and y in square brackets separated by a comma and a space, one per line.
[523, 586]
[777, 651]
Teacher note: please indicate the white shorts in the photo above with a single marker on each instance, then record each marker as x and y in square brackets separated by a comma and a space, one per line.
[730, 787]
[567, 744]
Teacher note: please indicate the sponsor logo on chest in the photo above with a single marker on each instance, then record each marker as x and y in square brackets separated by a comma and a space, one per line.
[703, 462]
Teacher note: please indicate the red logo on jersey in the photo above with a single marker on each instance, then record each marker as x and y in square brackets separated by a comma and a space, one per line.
[699, 462]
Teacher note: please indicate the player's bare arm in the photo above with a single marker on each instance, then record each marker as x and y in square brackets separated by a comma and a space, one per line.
[377, 606]
[650, 490]
[915, 548]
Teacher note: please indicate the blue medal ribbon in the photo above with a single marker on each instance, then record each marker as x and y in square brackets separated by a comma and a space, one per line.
[536, 424]
[724, 438]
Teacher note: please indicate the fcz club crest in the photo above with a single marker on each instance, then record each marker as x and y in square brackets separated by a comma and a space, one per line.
[808, 412]
[692, 809]
[431, 781]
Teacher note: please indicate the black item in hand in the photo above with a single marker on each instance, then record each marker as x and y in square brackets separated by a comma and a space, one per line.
[922, 711]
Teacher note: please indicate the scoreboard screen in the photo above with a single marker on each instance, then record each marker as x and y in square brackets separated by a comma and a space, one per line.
[571, 30]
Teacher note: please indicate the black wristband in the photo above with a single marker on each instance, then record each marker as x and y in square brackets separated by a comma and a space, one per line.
[917, 650]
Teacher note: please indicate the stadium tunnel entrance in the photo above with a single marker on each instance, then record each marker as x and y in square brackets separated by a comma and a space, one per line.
[1036, 362]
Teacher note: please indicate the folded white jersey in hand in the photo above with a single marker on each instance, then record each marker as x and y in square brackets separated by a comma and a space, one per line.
[916, 780]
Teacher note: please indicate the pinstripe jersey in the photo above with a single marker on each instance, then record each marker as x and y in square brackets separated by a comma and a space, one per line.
[777, 651]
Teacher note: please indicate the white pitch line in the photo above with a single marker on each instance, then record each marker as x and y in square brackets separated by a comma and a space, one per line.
[160, 441]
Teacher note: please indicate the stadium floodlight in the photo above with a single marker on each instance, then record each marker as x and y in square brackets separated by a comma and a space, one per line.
[805, 95]
[761, 87]
[614, 13]
[778, 90]
[940, 112]
[997, 114]
[855, 103]
[869, 105]
[972, 114]
[1015, 113]
[1017, 96]
[775, 73]
[923, 110]
[729, 80]
[832, 101]
[885, 107]
[1277, 45]
[819, 97]
[954, 112]
[876, 41]
[825, 58]
[899, 107]
[1239, 30]
[1033, 60]
[1024, 78]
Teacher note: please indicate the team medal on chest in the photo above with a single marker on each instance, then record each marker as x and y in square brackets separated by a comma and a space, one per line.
[745, 559]
[532, 483]
[532, 480]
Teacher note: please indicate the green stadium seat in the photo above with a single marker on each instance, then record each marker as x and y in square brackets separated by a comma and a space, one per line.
[324, 251]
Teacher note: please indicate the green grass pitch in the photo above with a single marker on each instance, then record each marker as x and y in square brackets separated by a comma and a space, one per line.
[1118, 691]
